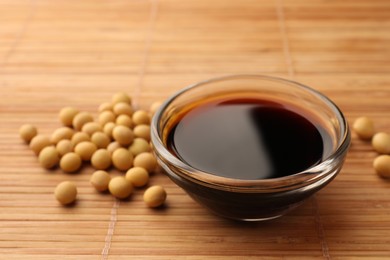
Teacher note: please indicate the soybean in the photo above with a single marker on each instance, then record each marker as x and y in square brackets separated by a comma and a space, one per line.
[70, 162]
[79, 137]
[123, 135]
[138, 146]
[61, 133]
[120, 187]
[39, 142]
[124, 120]
[121, 97]
[154, 107]
[106, 106]
[138, 176]
[141, 117]
[100, 180]
[64, 146]
[27, 132]
[101, 140]
[108, 128]
[155, 196]
[66, 192]
[381, 143]
[123, 109]
[122, 159]
[106, 117]
[49, 157]
[364, 127]
[67, 115]
[146, 161]
[81, 119]
[142, 131]
[382, 165]
[113, 146]
[85, 150]
[101, 159]
[91, 127]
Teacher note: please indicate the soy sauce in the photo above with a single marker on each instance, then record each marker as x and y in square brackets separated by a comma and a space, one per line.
[248, 139]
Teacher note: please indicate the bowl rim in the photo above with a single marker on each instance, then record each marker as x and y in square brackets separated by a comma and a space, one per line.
[302, 178]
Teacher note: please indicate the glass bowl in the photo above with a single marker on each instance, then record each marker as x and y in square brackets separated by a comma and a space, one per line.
[260, 199]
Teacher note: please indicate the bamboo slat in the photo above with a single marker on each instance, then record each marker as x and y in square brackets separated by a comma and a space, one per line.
[78, 53]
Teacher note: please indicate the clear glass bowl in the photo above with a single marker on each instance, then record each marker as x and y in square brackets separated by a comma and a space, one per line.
[252, 200]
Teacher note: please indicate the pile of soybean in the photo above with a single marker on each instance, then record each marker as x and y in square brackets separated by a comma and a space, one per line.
[365, 129]
[120, 137]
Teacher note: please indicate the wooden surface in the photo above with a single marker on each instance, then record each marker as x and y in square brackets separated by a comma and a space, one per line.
[78, 53]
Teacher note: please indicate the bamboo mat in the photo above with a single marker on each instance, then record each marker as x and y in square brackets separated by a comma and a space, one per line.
[78, 53]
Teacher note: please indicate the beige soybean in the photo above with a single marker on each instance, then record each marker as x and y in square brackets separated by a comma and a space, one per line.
[106, 106]
[108, 128]
[101, 159]
[61, 133]
[141, 117]
[146, 161]
[91, 127]
[142, 131]
[123, 135]
[65, 192]
[120, 187]
[100, 180]
[39, 142]
[154, 107]
[138, 146]
[364, 127]
[79, 137]
[101, 140]
[382, 165]
[64, 146]
[155, 196]
[85, 150]
[113, 146]
[123, 109]
[27, 132]
[124, 120]
[81, 119]
[121, 97]
[49, 157]
[106, 117]
[138, 176]
[67, 115]
[70, 162]
[122, 159]
[381, 143]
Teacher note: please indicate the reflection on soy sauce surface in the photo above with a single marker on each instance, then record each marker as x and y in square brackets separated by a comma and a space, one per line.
[248, 139]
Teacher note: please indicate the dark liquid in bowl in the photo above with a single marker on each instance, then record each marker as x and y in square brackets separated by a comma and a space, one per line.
[248, 139]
